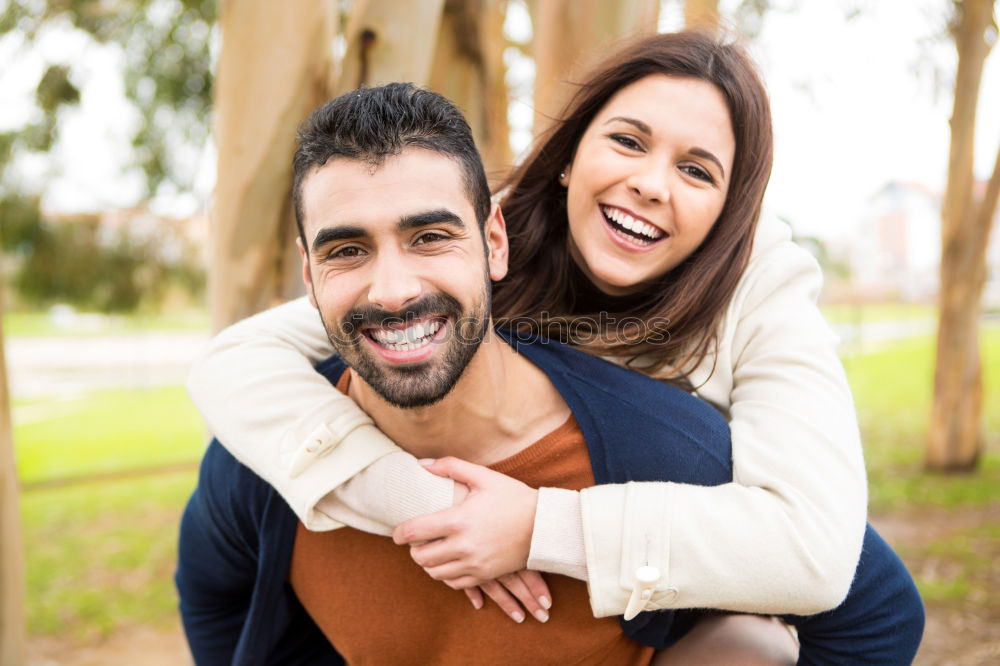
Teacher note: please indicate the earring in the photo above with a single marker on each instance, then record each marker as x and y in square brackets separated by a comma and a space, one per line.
[562, 175]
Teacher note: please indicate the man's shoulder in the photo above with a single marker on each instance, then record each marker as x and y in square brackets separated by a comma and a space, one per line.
[229, 492]
[558, 359]
[631, 421]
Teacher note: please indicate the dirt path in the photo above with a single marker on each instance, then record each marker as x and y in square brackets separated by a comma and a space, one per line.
[140, 645]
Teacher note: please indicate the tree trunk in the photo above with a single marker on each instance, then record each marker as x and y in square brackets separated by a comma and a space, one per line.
[12, 622]
[469, 70]
[571, 35]
[274, 68]
[955, 437]
[701, 13]
[388, 41]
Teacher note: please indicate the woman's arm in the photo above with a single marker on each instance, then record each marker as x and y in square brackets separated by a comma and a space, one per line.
[258, 391]
[783, 538]
[786, 535]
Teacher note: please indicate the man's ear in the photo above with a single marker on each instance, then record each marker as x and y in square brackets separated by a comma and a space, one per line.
[497, 248]
[306, 273]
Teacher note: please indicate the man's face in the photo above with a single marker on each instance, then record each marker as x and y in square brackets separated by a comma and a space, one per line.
[396, 266]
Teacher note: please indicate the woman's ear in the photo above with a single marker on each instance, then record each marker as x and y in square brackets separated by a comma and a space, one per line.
[497, 248]
[564, 176]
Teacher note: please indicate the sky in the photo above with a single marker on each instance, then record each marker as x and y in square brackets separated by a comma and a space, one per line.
[857, 101]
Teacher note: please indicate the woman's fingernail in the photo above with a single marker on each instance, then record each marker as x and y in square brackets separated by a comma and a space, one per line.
[426, 462]
[476, 603]
[541, 615]
[517, 616]
[544, 601]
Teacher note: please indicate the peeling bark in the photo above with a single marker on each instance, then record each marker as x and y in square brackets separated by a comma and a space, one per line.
[469, 70]
[570, 35]
[955, 434]
[274, 68]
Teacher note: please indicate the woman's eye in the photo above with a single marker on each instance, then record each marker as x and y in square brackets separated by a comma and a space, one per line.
[697, 172]
[626, 141]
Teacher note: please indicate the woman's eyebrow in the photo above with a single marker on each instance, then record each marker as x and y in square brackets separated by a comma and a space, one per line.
[701, 152]
[638, 124]
[645, 129]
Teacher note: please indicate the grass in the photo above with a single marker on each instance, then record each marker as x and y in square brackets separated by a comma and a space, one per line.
[856, 313]
[42, 324]
[100, 555]
[109, 431]
[893, 392]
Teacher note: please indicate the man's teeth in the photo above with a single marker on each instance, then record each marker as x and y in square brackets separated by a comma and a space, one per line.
[408, 338]
[625, 220]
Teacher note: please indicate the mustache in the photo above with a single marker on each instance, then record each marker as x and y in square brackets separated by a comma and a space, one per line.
[371, 316]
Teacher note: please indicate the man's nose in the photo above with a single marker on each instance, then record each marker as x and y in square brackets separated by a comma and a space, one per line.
[650, 180]
[393, 284]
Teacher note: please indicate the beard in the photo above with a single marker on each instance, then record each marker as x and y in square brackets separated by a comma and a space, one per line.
[414, 384]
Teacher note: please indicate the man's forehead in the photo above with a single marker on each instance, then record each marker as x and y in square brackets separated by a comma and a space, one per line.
[356, 192]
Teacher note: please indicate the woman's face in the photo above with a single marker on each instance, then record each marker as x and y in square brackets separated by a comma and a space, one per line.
[648, 181]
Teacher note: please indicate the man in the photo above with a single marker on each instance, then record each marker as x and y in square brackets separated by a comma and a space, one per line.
[399, 243]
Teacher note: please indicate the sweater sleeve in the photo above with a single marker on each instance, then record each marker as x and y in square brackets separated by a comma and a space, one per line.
[257, 389]
[786, 535]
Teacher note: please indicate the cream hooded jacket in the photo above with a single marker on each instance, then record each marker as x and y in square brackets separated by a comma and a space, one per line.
[784, 537]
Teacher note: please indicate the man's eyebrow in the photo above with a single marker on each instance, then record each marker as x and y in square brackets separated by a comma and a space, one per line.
[638, 124]
[439, 216]
[701, 152]
[331, 234]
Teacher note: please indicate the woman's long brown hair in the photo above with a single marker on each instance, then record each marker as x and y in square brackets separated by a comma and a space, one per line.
[683, 309]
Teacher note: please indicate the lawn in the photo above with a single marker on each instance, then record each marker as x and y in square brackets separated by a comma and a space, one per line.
[69, 323]
[893, 390]
[100, 555]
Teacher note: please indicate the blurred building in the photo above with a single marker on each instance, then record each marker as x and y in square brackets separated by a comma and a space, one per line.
[896, 251]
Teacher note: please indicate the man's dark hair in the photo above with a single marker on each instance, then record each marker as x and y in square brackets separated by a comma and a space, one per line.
[371, 124]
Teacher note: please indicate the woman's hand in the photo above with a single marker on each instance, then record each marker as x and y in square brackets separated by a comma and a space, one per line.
[481, 541]
[525, 586]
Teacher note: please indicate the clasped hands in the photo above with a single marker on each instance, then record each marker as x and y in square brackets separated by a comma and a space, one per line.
[481, 544]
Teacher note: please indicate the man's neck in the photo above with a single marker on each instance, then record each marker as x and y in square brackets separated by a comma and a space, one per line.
[501, 404]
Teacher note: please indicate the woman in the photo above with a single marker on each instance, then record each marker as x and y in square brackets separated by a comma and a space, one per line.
[643, 203]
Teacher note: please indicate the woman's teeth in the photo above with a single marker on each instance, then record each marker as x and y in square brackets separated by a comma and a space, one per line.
[640, 230]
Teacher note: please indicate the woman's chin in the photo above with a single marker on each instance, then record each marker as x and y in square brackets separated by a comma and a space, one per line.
[614, 283]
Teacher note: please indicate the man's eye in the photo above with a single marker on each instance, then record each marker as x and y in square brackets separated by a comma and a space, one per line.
[349, 252]
[430, 237]
[697, 172]
[626, 141]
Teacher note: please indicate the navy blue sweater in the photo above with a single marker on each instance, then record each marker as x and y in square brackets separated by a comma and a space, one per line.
[237, 533]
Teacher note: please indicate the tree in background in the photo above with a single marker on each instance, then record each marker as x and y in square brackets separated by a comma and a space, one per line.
[12, 619]
[167, 75]
[955, 435]
[274, 67]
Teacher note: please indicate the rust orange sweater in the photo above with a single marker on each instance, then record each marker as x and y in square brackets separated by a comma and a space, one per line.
[378, 607]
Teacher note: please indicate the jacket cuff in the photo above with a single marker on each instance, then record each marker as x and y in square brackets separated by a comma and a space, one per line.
[332, 467]
[625, 527]
[557, 537]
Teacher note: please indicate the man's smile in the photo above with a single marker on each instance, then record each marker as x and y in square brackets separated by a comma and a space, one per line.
[407, 342]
